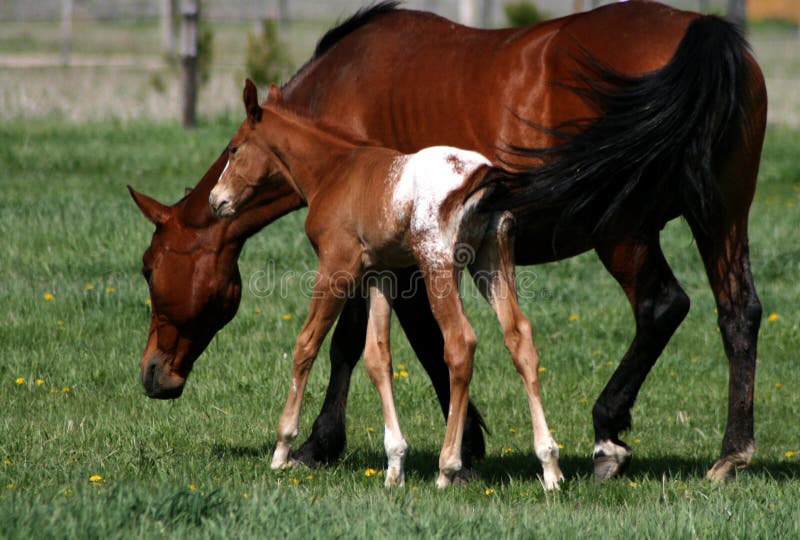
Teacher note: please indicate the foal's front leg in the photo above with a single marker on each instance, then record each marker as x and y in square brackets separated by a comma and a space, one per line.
[327, 300]
[493, 273]
[378, 361]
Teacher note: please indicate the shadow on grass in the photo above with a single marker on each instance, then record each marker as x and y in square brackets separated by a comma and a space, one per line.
[525, 467]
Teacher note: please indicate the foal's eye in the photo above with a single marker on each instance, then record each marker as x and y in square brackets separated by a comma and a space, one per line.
[146, 272]
[232, 149]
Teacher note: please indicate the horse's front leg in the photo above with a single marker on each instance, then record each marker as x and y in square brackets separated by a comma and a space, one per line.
[328, 436]
[328, 298]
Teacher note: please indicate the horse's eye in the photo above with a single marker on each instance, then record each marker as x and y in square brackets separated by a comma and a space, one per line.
[232, 149]
[146, 272]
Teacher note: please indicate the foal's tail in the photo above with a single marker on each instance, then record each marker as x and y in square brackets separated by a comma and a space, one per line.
[652, 145]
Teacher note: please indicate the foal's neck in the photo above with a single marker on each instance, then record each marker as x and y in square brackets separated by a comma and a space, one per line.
[312, 155]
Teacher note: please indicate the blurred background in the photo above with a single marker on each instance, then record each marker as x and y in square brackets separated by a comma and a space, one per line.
[92, 60]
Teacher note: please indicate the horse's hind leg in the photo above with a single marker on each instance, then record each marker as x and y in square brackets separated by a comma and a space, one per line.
[659, 305]
[413, 311]
[493, 273]
[378, 361]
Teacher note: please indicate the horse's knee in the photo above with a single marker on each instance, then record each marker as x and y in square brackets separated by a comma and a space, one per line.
[377, 356]
[670, 307]
[739, 323]
[520, 332]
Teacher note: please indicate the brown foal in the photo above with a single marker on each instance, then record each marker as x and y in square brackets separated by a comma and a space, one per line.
[373, 209]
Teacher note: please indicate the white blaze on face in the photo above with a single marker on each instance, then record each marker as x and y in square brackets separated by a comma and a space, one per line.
[219, 192]
[425, 181]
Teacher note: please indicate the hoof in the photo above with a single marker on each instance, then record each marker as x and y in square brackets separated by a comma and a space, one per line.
[552, 478]
[394, 478]
[443, 481]
[466, 475]
[610, 460]
[726, 466]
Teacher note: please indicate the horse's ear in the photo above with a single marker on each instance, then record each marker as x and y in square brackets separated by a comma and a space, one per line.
[251, 106]
[153, 210]
[275, 95]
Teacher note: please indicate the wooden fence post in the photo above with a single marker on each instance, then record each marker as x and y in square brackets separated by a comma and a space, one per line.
[190, 13]
[66, 30]
[167, 30]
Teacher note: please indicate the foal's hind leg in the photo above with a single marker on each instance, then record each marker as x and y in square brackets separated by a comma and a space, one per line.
[659, 305]
[378, 361]
[493, 273]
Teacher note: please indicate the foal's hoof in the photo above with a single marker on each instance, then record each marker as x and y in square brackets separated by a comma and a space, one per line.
[394, 478]
[726, 466]
[610, 460]
[552, 478]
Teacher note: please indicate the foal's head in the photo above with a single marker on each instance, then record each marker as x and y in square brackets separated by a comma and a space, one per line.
[253, 163]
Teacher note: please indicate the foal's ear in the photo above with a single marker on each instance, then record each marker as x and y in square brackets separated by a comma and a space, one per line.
[251, 106]
[153, 210]
[275, 96]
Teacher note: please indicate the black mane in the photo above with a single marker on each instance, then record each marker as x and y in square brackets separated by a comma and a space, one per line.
[352, 23]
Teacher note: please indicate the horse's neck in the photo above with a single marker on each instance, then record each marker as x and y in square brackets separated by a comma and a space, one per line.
[309, 153]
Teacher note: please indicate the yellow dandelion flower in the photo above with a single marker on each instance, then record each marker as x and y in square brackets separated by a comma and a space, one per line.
[53, 390]
[89, 287]
[6, 461]
[610, 363]
[67, 492]
[369, 472]
[773, 317]
[404, 373]
[95, 478]
[508, 450]
[681, 487]
[258, 310]
[48, 296]
[778, 385]
[147, 302]
[380, 473]
[633, 485]
[294, 480]
[401, 366]
[637, 441]
[60, 323]
[552, 430]
[370, 429]
[66, 389]
[39, 382]
[789, 454]
[694, 360]
[244, 495]
[192, 487]
[542, 369]
[309, 477]
[512, 430]
[20, 380]
[10, 486]
[574, 317]
[488, 491]
[395, 375]
[286, 316]
[583, 400]
[560, 446]
[111, 290]
[523, 493]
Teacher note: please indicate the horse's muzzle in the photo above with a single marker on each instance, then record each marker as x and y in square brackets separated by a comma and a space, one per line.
[157, 383]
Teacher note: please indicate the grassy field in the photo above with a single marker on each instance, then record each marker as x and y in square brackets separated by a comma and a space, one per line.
[85, 454]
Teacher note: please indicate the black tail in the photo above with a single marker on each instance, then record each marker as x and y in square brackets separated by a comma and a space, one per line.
[652, 144]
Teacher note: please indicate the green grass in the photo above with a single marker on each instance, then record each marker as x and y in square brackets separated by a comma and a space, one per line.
[67, 222]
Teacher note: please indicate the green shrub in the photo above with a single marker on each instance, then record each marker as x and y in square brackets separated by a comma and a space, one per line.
[268, 58]
[523, 13]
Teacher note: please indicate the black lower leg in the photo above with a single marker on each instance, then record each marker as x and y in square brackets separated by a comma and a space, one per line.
[328, 435]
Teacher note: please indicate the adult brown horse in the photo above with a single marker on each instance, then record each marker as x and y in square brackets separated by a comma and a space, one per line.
[679, 109]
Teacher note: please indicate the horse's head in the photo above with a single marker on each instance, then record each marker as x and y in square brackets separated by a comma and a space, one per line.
[253, 163]
[195, 288]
